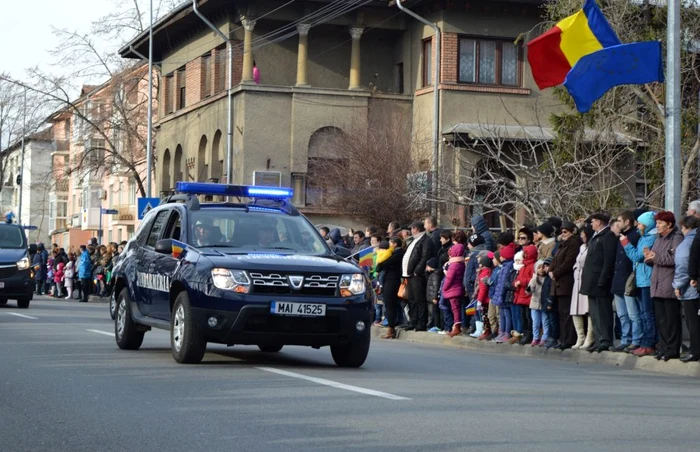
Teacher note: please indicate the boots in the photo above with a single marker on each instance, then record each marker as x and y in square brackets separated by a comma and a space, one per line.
[590, 339]
[390, 334]
[456, 329]
[580, 326]
[479, 329]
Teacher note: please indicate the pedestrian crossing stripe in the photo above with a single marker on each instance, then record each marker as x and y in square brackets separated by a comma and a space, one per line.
[146, 209]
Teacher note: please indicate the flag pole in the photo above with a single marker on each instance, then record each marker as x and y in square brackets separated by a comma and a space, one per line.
[673, 110]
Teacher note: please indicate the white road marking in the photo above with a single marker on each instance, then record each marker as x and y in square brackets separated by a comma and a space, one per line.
[334, 384]
[24, 316]
[106, 333]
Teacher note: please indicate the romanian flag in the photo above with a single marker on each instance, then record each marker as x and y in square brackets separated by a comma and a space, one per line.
[553, 54]
[179, 249]
[366, 257]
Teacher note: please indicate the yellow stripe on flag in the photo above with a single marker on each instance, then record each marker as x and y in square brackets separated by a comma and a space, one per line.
[577, 38]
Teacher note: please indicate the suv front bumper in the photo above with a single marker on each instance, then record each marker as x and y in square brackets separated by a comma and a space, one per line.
[19, 284]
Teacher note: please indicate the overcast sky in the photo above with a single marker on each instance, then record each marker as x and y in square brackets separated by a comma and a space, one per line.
[25, 28]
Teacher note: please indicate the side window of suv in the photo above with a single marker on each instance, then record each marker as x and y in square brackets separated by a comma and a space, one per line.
[173, 230]
[158, 226]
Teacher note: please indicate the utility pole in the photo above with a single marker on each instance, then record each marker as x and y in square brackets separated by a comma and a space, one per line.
[21, 161]
[149, 133]
[673, 109]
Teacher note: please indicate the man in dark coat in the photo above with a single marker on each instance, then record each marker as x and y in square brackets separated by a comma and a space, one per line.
[413, 268]
[561, 271]
[596, 281]
[482, 228]
[628, 308]
[431, 228]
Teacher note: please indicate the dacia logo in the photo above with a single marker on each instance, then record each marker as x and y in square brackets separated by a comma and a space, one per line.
[296, 282]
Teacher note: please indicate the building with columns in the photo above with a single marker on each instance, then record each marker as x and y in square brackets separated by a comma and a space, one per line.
[323, 66]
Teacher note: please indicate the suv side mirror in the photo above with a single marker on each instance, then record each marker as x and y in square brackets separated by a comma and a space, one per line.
[341, 251]
[164, 246]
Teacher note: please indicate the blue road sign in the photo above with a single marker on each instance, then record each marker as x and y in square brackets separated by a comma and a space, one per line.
[145, 205]
[110, 211]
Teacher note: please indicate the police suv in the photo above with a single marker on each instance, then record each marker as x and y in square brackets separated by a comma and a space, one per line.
[251, 273]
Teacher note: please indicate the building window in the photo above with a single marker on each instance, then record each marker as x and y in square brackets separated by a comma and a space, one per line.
[181, 87]
[206, 75]
[427, 62]
[169, 93]
[489, 62]
[399, 78]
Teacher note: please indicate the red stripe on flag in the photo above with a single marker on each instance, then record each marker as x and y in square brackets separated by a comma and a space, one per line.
[548, 64]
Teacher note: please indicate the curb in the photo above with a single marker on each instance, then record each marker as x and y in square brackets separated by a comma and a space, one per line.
[621, 360]
[96, 299]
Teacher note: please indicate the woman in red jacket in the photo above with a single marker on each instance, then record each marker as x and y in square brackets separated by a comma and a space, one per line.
[452, 288]
[521, 303]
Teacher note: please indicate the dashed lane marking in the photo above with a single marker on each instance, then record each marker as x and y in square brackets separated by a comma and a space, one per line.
[334, 384]
[106, 333]
[24, 316]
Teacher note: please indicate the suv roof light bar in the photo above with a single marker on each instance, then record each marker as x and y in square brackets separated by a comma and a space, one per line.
[240, 191]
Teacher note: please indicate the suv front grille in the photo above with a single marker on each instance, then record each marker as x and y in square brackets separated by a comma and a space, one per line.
[281, 284]
[7, 271]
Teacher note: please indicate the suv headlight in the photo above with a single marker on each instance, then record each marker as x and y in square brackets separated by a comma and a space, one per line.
[23, 263]
[235, 280]
[352, 285]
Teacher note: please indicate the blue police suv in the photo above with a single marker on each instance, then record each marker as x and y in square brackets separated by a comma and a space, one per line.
[15, 275]
[250, 272]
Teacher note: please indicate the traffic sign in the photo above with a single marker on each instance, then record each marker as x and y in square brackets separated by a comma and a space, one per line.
[110, 211]
[145, 205]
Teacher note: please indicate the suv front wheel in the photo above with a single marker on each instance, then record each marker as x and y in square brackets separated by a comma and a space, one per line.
[126, 331]
[186, 340]
[353, 354]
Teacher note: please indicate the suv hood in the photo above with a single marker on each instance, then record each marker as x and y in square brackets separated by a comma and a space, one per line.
[282, 262]
[11, 255]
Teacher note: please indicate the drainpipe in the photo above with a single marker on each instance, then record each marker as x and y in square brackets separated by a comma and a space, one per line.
[436, 100]
[229, 127]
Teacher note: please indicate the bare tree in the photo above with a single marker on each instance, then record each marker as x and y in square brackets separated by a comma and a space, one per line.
[367, 171]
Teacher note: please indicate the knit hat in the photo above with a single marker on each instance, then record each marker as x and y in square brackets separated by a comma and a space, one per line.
[555, 222]
[568, 226]
[546, 229]
[484, 261]
[384, 245]
[490, 254]
[637, 212]
[476, 240]
[666, 217]
[508, 252]
[547, 261]
[432, 262]
[505, 238]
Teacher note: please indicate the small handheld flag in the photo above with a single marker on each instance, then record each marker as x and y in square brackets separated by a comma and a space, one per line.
[179, 249]
[366, 257]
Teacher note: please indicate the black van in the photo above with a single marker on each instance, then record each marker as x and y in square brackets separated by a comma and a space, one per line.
[15, 277]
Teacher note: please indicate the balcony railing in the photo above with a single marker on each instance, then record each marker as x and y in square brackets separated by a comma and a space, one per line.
[56, 224]
[127, 212]
[62, 145]
[61, 186]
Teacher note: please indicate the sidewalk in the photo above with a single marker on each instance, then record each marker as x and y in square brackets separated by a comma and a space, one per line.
[622, 360]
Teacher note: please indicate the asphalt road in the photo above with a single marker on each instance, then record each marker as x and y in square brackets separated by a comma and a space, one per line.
[64, 386]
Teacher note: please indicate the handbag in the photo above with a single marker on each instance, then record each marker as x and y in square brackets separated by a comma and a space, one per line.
[403, 289]
[631, 284]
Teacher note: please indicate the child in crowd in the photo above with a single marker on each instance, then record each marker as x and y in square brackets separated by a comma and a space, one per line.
[58, 278]
[494, 310]
[516, 333]
[452, 288]
[551, 317]
[540, 328]
[49, 277]
[68, 280]
[381, 254]
[521, 303]
[481, 295]
[433, 295]
[503, 296]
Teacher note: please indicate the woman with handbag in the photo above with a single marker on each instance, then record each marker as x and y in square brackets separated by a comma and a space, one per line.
[392, 284]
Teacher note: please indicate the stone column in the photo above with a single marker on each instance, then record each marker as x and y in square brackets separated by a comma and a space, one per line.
[356, 33]
[249, 25]
[302, 54]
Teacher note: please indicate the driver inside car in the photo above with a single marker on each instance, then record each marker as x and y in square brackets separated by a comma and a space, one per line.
[266, 236]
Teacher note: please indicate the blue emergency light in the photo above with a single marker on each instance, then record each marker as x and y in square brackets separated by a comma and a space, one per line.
[241, 191]
[30, 228]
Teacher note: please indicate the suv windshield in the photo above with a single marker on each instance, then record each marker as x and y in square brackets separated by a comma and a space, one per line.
[11, 237]
[253, 230]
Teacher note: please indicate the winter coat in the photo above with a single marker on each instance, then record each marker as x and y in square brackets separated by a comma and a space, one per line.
[469, 281]
[636, 253]
[503, 295]
[681, 280]
[365, 243]
[562, 267]
[85, 266]
[600, 264]
[452, 287]
[421, 252]
[59, 274]
[534, 288]
[664, 264]
[39, 267]
[623, 264]
[392, 266]
[482, 293]
[579, 302]
[547, 301]
[69, 274]
[435, 238]
[493, 282]
[432, 291]
[443, 256]
[545, 250]
[522, 296]
[482, 228]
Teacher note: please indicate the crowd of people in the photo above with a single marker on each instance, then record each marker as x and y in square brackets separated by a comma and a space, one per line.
[76, 274]
[558, 284]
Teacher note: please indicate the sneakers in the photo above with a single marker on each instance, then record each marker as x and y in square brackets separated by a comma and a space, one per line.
[643, 351]
[631, 348]
[619, 348]
[535, 343]
[504, 337]
[434, 330]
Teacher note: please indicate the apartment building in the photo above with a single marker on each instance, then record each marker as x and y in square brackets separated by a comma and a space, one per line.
[99, 161]
[305, 71]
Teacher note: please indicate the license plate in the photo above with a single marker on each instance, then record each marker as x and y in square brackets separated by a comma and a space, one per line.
[2, 285]
[298, 309]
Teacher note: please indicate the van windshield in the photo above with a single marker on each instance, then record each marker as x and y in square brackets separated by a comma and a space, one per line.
[11, 237]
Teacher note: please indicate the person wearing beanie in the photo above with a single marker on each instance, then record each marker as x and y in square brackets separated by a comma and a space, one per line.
[521, 302]
[452, 288]
[556, 223]
[596, 280]
[486, 261]
[646, 226]
[667, 307]
[434, 272]
[504, 239]
[561, 273]
[475, 245]
[483, 326]
[545, 241]
[504, 292]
